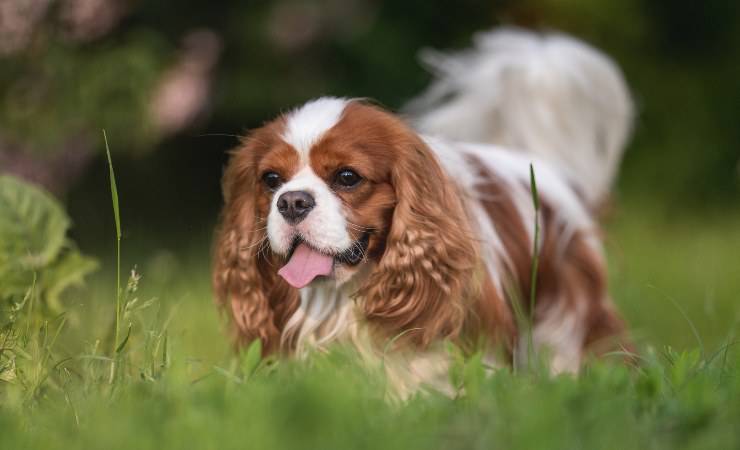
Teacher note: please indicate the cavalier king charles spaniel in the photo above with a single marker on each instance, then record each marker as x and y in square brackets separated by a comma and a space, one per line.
[346, 223]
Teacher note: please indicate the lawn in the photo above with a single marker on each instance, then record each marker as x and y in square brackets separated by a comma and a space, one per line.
[176, 385]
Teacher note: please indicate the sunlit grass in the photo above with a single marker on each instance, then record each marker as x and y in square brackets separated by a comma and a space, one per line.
[662, 259]
[179, 386]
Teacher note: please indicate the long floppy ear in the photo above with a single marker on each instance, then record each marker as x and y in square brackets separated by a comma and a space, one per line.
[419, 286]
[256, 301]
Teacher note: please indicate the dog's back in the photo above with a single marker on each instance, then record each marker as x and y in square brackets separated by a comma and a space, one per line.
[548, 95]
[519, 98]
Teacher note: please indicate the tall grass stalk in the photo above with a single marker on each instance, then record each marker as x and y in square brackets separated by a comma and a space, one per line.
[536, 246]
[525, 356]
[117, 217]
[535, 259]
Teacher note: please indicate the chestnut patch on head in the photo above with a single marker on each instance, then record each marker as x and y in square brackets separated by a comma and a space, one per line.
[277, 165]
[355, 158]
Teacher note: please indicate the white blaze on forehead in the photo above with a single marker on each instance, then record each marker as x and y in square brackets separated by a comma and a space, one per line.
[307, 124]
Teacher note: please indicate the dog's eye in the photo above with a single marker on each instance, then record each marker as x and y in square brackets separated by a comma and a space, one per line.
[347, 178]
[272, 180]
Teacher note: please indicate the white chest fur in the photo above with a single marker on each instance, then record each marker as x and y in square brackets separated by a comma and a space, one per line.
[329, 315]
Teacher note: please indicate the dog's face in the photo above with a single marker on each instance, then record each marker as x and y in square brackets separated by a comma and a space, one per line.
[325, 192]
[331, 189]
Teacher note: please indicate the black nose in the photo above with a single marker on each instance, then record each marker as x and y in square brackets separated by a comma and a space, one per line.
[295, 205]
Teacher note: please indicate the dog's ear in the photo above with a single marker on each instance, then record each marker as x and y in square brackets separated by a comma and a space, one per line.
[419, 284]
[244, 279]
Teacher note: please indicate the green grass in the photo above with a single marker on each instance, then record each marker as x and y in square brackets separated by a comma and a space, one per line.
[663, 262]
[178, 386]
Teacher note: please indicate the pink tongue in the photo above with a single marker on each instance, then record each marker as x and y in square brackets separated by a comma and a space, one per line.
[305, 265]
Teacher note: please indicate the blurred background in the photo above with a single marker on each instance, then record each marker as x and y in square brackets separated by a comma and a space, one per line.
[174, 83]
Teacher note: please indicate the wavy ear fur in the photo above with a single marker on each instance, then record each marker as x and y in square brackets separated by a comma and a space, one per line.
[256, 301]
[419, 285]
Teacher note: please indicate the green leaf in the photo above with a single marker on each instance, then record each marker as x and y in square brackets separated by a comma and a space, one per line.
[113, 188]
[32, 226]
[14, 281]
[123, 343]
[69, 270]
[533, 188]
[33, 245]
[251, 360]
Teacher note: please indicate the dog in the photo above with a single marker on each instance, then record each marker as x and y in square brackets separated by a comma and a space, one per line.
[346, 223]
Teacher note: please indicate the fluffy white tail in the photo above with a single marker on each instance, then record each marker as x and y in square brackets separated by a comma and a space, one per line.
[547, 94]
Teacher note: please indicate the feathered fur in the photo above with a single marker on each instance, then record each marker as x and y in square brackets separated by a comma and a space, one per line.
[546, 94]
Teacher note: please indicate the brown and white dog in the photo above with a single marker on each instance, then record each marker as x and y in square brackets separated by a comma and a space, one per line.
[343, 223]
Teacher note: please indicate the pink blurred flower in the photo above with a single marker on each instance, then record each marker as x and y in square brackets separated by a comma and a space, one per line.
[184, 89]
[18, 20]
[85, 20]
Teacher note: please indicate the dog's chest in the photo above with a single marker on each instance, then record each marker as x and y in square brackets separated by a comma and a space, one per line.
[326, 315]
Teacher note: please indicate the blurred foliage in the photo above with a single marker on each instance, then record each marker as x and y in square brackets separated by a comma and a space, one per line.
[59, 91]
[675, 401]
[38, 263]
[680, 58]
[37, 260]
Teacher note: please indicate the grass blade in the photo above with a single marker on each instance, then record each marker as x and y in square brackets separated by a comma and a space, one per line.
[535, 259]
[535, 250]
[113, 188]
[117, 218]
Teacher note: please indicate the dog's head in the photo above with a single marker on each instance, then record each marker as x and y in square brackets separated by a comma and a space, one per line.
[332, 189]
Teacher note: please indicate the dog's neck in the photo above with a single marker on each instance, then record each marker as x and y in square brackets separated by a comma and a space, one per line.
[328, 312]
[333, 314]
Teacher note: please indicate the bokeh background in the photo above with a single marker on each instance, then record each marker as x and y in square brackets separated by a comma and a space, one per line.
[174, 83]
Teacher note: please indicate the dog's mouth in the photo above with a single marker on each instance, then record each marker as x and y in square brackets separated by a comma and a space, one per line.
[306, 263]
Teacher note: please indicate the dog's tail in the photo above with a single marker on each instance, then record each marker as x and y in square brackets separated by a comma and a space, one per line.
[544, 93]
